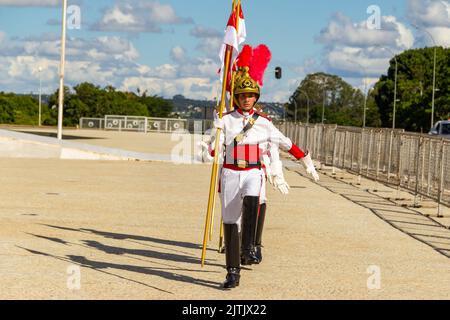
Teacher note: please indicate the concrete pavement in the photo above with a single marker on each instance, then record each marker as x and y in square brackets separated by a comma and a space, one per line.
[73, 229]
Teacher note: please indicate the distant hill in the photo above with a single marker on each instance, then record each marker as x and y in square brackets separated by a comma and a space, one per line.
[186, 108]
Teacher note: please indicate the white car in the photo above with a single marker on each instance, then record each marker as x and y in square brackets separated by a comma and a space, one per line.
[441, 129]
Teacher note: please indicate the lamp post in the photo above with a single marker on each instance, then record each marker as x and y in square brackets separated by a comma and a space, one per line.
[307, 105]
[294, 100]
[395, 93]
[62, 65]
[40, 95]
[323, 105]
[393, 114]
[434, 72]
[395, 85]
[295, 112]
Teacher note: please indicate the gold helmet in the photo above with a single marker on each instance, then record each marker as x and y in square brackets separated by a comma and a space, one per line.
[251, 63]
[243, 83]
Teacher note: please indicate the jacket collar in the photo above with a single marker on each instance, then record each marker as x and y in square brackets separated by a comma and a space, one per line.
[245, 114]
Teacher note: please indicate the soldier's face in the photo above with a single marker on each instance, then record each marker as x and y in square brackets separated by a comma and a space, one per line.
[247, 101]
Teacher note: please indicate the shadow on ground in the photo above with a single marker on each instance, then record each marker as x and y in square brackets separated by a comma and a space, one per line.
[162, 258]
[54, 135]
[407, 220]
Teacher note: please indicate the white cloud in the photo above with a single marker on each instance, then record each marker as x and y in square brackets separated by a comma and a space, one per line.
[429, 13]
[166, 71]
[115, 15]
[105, 60]
[354, 51]
[178, 54]
[200, 88]
[441, 35]
[210, 40]
[210, 47]
[433, 16]
[138, 16]
[205, 32]
[341, 30]
[204, 67]
[161, 13]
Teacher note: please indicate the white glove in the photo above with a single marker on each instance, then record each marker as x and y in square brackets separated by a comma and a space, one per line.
[309, 166]
[205, 151]
[281, 184]
[218, 122]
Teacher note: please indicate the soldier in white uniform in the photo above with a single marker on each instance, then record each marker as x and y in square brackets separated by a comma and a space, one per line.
[273, 170]
[242, 177]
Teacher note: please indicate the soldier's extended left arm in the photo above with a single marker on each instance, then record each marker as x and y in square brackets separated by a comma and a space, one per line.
[276, 137]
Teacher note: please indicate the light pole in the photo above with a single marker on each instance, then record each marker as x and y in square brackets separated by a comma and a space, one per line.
[395, 93]
[393, 114]
[395, 85]
[293, 99]
[307, 105]
[365, 90]
[323, 105]
[434, 72]
[62, 65]
[40, 95]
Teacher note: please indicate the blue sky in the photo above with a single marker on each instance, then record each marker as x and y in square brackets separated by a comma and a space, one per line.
[171, 46]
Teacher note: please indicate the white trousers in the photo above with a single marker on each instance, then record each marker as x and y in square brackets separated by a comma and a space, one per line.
[262, 194]
[235, 185]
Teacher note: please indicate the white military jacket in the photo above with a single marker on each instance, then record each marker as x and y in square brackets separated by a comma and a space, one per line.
[246, 153]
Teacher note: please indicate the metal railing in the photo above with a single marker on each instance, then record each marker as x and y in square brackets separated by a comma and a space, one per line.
[417, 162]
[145, 124]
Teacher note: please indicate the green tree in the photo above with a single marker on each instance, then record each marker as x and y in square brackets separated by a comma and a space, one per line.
[19, 109]
[414, 89]
[86, 100]
[157, 106]
[339, 102]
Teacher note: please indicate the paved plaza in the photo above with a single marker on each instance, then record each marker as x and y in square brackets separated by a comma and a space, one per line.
[83, 229]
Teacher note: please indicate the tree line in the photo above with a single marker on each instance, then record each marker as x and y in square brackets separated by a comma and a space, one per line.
[85, 100]
[341, 104]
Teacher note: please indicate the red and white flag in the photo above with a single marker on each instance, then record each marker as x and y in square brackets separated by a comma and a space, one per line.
[233, 38]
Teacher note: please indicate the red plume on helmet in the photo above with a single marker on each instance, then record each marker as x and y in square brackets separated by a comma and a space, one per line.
[260, 61]
[244, 58]
[256, 59]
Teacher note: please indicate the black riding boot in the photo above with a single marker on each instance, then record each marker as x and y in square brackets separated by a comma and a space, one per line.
[259, 230]
[231, 235]
[249, 221]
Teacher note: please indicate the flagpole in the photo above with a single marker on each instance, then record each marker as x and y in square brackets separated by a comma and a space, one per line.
[236, 7]
[62, 65]
[215, 167]
[211, 218]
